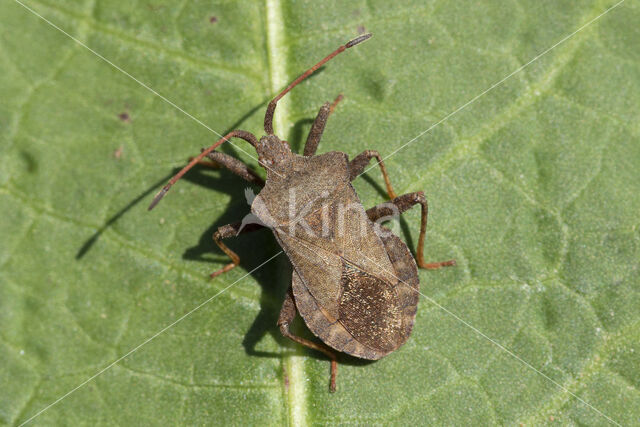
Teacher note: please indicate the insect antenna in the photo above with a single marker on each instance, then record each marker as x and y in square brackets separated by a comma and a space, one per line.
[247, 136]
[268, 117]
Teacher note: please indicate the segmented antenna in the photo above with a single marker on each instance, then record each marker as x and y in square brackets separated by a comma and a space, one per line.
[271, 108]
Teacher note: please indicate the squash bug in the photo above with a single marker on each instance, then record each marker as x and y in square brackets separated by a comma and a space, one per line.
[354, 283]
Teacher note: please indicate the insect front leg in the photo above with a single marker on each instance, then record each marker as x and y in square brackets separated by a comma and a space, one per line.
[231, 230]
[315, 134]
[357, 165]
[402, 204]
[234, 165]
[285, 319]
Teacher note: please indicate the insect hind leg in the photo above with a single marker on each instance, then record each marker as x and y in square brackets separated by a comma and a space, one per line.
[285, 319]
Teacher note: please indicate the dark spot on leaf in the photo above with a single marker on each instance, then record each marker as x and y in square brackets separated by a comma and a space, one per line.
[213, 19]
[361, 29]
[124, 117]
[30, 161]
[377, 85]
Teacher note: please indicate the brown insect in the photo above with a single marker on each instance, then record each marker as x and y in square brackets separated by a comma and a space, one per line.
[354, 283]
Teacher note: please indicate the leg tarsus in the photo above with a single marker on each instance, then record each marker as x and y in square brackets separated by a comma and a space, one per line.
[420, 198]
[235, 259]
[339, 98]
[357, 165]
[437, 265]
[230, 230]
[285, 319]
[334, 374]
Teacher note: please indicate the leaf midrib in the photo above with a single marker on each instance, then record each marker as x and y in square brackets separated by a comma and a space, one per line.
[295, 392]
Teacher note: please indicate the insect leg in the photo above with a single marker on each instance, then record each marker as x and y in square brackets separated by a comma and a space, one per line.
[357, 165]
[285, 319]
[235, 166]
[231, 230]
[402, 204]
[317, 128]
[247, 136]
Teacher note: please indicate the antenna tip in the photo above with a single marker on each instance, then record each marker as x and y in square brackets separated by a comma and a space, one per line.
[358, 39]
[158, 197]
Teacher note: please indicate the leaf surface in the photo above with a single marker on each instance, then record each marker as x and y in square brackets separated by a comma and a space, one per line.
[534, 188]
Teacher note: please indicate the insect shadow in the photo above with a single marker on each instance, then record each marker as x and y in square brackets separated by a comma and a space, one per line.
[253, 249]
[88, 244]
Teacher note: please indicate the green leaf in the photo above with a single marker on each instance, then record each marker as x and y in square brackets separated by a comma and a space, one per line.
[534, 187]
